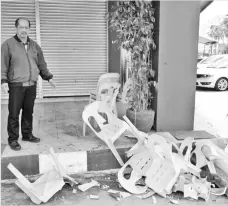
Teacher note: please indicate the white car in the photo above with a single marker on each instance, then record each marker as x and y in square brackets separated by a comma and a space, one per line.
[210, 60]
[214, 75]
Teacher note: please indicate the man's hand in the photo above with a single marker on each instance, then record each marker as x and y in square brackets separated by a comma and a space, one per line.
[52, 83]
[5, 88]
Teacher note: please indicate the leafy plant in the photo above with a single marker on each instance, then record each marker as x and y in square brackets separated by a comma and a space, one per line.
[134, 23]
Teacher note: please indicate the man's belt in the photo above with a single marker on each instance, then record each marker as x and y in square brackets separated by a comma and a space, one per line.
[23, 84]
[27, 84]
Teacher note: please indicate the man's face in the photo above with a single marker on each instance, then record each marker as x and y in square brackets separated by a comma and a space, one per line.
[23, 28]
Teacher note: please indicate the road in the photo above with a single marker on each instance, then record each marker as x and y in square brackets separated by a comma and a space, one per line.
[211, 111]
[12, 195]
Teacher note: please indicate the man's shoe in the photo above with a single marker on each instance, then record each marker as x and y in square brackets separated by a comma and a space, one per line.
[31, 138]
[15, 145]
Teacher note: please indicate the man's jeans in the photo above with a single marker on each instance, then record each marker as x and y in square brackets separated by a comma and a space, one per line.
[20, 97]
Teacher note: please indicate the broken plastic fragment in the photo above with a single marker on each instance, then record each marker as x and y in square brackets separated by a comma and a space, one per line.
[105, 187]
[176, 202]
[43, 188]
[94, 197]
[116, 196]
[86, 186]
[147, 195]
[218, 191]
[189, 191]
[122, 194]
[154, 200]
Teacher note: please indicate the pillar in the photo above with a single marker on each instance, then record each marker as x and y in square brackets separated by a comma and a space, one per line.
[177, 60]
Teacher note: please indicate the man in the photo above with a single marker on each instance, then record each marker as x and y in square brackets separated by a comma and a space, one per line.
[22, 61]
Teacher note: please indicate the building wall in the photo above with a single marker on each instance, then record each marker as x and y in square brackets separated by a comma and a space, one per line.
[113, 50]
[178, 42]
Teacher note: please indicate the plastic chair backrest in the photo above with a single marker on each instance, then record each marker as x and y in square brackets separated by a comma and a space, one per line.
[113, 126]
[108, 77]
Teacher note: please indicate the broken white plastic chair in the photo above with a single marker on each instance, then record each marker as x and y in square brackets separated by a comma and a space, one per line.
[111, 130]
[216, 154]
[43, 188]
[140, 163]
[162, 174]
[109, 82]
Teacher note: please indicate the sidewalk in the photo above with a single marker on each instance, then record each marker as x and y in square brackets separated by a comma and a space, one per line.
[59, 125]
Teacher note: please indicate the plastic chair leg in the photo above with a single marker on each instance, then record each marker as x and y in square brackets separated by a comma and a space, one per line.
[84, 128]
[115, 153]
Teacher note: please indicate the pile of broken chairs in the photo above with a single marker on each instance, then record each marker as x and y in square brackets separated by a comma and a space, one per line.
[190, 167]
[160, 164]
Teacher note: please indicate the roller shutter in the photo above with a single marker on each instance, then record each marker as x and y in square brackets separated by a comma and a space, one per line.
[10, 11]
[74, 42]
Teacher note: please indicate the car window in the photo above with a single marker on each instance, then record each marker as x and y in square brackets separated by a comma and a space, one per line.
[211, 59]
[223, 63]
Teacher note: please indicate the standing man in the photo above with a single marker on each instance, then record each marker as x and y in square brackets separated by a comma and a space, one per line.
[22, 61]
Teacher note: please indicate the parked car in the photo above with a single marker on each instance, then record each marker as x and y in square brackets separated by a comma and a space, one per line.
[214, 75]
[210, 60]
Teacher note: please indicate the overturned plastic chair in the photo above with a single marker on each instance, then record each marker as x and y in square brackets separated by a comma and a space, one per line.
[139, 163]
[43, 188]
[110, 129]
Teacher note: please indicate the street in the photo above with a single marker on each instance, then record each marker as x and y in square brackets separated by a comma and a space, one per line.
[12, 195]
[211, 111]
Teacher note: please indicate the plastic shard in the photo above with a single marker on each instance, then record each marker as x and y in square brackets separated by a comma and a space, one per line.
[88, 185]
[43, 188]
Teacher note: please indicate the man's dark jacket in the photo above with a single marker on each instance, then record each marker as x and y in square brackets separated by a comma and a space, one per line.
[19, 65]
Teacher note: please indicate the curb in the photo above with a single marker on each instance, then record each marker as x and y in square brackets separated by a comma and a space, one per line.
[73, 162]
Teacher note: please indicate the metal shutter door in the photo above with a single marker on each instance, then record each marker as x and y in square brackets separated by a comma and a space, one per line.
[10, 11]
[74, 42]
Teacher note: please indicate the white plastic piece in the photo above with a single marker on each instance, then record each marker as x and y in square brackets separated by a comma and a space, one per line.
[88, 185]
[43, 188]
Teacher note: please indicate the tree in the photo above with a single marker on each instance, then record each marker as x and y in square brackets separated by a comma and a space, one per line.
[219, 31]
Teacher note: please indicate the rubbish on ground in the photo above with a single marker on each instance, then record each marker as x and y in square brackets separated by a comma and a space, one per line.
[154, 200]
[105, 187]
[176, 202]
[86, 186]
[116, 196]
[179, 185]
[94, 197]
[198, 188]
[168, 168]
[147, 195]
[43, 188]
[189, 191]
[218, 191]
[122, 194]
[74, 191]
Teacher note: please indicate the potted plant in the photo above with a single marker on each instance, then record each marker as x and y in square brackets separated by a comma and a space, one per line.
[134, 23]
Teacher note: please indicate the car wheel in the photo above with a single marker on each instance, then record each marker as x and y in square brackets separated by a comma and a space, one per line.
[221, 84]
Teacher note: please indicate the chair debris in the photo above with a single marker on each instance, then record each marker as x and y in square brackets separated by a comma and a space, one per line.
[87, 186]
[46, 185]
